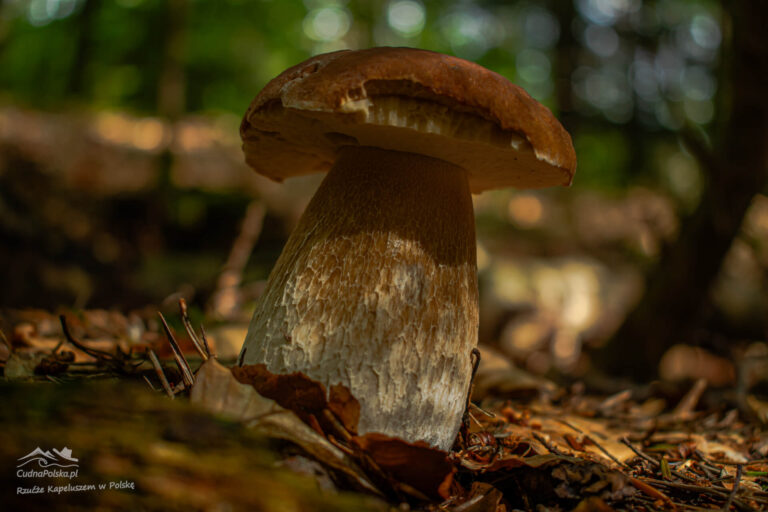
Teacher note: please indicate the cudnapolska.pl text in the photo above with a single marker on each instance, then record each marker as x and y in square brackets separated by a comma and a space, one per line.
[46, 473]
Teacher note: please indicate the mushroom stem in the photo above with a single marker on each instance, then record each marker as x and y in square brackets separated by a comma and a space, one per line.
[376, 290]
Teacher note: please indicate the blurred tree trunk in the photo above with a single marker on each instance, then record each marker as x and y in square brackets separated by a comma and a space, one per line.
[5, 22]
[171, 87]
[677, 291]
[566, 59]
[171, 104]
[82, 54]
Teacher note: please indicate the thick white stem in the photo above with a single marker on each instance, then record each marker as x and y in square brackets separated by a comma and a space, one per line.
[376, 290]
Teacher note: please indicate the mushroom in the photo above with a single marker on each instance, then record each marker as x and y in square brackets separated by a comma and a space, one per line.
[376, 288]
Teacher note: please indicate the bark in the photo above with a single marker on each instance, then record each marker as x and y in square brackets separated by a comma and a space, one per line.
[677, 291]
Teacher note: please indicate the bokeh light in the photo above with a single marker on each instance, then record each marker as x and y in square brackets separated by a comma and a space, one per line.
[471, 31]
[42, 12]
[603, 41]
[406, 17]
[705, 31]
[540, 28]
[326, 24]
[606, 12]
[533, 65]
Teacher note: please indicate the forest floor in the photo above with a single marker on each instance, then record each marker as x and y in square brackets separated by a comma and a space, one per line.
[154, 422]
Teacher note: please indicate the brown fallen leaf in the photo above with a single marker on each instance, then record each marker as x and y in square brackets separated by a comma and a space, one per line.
[419, 465]
[302, 395]
[217, 390]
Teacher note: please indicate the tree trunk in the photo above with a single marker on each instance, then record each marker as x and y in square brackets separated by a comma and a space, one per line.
[78, 79]
[677, 291]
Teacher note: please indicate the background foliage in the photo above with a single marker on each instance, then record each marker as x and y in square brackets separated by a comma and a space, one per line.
[127, 113]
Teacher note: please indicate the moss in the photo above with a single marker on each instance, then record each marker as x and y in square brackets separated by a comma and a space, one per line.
[178, 458]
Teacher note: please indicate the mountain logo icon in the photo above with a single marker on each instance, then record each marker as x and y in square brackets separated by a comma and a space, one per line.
[49, 458]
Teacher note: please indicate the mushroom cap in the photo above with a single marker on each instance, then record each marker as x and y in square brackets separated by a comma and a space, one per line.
[409, 100]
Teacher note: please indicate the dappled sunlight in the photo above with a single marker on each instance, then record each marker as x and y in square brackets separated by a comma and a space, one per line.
[147, 134]
[558, 305]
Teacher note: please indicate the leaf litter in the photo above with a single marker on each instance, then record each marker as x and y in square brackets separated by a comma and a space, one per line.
[526, 443]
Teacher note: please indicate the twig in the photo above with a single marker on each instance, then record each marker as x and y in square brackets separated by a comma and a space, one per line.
[475, 357]
[549, 446]
[650, 491]
[487, 413]
[598, 445]
[181, 362]
[702, 489]
[160, 373]
[607, 453]
[686, 406]
[149, 382]
[569, 425]
[205, 342]
[190, 331]
[5, 340]
[654, 462]
[93, 352]
[735, 489]
[226, 298]
[120, 365]
[641, 454]
[614, 400]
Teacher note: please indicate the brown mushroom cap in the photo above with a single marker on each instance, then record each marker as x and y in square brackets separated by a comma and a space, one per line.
[407, 100]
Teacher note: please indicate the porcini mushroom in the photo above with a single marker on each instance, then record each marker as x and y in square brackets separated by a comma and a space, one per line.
[376, 288]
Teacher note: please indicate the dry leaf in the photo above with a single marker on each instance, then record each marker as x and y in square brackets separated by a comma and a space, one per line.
[419, 465]
[217, 390]
[302, 395]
